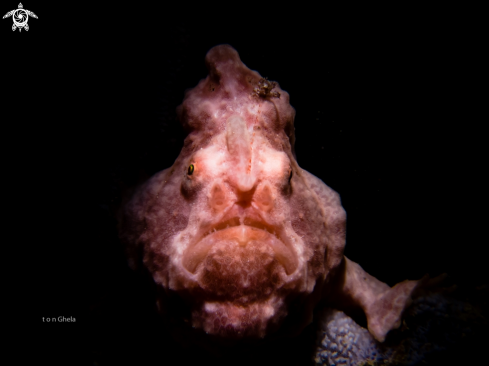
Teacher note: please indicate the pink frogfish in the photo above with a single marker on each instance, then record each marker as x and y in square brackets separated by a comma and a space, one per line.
[247, 240]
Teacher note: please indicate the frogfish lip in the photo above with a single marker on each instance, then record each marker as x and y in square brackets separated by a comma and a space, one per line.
[241, 232]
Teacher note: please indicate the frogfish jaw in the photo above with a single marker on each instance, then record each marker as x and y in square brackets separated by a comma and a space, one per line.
[244, 275]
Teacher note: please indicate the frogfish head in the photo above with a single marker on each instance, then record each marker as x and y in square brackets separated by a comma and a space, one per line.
[232, 228]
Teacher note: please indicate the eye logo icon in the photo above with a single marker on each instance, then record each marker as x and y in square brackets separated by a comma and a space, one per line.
[20, 17]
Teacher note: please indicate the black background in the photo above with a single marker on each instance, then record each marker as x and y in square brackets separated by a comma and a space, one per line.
[389, 114]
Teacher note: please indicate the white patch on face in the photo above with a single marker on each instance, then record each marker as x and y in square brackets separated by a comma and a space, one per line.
[209, 162]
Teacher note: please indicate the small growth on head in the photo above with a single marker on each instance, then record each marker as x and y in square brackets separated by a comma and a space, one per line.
[264, 89]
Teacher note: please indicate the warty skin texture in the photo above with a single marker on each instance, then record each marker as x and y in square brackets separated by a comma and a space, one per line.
[237, 229]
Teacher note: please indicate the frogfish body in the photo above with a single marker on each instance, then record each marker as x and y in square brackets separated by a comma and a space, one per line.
[237, 230]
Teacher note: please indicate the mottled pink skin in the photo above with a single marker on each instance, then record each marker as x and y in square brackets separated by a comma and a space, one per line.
[248, 232]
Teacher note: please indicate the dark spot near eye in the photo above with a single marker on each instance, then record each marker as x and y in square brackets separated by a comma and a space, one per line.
[290, 176]
[190, 169]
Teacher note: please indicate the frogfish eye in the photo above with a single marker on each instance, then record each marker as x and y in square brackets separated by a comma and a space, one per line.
[190, 169]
